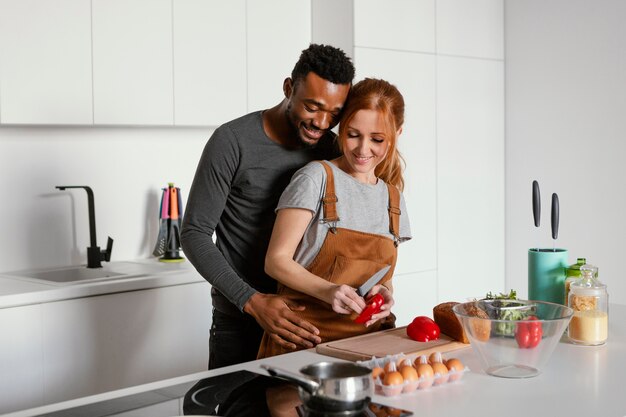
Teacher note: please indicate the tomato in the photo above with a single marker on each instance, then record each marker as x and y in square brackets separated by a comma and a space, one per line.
[373, 306]
[423, 329]
[528, 332]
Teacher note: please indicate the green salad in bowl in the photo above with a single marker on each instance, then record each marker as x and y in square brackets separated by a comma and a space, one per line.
[507, 308]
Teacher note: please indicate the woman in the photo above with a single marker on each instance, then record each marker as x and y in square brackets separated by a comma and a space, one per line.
[339, 222]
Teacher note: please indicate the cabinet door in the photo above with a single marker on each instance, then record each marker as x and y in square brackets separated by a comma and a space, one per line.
[473, 28]
[209, 61]
[278, 31]
[45, 62]
[470, 162]
[406, 25]
[132, 62]
[21, 366]
[108, 342]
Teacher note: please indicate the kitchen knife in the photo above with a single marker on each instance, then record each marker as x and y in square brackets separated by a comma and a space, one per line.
[555, 216]
[371, 281]
[536, 204]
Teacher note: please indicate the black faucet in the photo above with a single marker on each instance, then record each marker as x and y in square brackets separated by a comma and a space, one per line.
[94, 254]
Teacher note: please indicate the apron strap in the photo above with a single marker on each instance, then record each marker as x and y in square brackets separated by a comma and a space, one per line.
[394, 212]
[329, 201]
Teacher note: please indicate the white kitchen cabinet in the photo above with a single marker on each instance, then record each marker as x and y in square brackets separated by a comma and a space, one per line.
[132, 62]
[119, 340]
[414, 75]
[209, 61]
[61, 350]
[406, 25]
[332, 23]
[471, 28]
[470, 165]
[21, 364]
[45, 62]
[278, 31]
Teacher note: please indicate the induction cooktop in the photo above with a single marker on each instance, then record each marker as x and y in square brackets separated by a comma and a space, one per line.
[240, 394]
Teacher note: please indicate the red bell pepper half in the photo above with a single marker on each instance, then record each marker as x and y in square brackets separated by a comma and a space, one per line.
[373, 306]
[423, 329]
[528, 332]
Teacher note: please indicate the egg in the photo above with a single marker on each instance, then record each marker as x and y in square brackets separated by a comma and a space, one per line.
[425, 370]
[409, 373]
[435, 357]
[405, 362]
[390, 367]
[442, 370]
[420, 359]
[454, 363]
[425, 373]
[401, 361]
[378, 372]
[393, 378]
[456, 368]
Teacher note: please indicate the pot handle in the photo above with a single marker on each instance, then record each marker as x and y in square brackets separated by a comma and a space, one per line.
[307, 384]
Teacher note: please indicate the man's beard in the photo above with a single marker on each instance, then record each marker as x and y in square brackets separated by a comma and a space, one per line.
[296, 130]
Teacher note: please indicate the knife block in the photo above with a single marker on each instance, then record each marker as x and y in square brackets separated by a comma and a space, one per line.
[546, 274]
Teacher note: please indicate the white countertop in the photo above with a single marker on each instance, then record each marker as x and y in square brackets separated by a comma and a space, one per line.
[18, 291]
[577, 381]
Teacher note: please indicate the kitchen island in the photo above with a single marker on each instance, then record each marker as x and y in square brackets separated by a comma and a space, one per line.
[577, 381]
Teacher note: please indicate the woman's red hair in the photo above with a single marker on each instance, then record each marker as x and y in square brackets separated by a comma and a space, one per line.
[381, 96]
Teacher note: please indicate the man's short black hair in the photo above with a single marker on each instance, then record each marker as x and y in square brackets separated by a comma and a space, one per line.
[330, 63]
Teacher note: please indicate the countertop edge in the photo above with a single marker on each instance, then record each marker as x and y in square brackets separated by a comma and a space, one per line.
[53, 293]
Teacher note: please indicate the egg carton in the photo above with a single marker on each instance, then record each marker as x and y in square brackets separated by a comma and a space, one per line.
[408, 387]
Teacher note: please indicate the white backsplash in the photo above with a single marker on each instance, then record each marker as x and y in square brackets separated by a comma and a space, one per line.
[125, 167]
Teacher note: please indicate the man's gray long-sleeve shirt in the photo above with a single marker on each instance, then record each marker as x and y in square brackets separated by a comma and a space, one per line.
[236, 188]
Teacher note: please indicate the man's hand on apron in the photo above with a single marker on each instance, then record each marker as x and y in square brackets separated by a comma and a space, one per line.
[276, 316]
[345, 300]
[385, 310]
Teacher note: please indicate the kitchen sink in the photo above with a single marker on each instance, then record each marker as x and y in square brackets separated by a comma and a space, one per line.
[79, 274]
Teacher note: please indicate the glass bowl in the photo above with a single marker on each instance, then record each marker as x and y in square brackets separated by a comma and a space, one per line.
[513, 338]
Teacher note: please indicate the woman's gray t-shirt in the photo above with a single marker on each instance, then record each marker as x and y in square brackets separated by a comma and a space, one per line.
[362, 207]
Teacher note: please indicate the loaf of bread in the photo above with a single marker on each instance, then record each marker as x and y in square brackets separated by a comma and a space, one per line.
[448, 323]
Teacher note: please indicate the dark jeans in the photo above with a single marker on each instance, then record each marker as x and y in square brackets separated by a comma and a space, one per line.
[233, 339]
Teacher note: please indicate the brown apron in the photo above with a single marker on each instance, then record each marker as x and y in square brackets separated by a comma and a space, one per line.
[347, 257]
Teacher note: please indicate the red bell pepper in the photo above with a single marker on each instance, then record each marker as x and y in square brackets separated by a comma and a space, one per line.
[423, 329]
[373, 306]
[528, 332]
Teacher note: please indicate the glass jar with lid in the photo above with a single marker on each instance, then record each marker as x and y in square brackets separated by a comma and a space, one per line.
[572, 273]
[590, 301]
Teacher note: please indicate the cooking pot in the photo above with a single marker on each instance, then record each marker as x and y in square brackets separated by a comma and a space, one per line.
[338, 387]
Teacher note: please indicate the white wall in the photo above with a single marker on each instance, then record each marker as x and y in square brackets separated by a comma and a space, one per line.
[126, 167]
[565, 124]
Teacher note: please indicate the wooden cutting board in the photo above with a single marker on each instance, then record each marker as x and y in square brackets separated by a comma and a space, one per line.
[383, 343]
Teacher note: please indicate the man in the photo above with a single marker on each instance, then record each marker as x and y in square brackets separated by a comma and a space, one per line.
[242, 172]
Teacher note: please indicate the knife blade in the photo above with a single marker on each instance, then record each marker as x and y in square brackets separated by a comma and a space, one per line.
[371, 281]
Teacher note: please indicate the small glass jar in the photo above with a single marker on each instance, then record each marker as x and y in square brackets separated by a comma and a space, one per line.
[590, 301]
[572, 273]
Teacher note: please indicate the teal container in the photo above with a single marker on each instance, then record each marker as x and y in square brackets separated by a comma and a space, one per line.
[546, 274]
